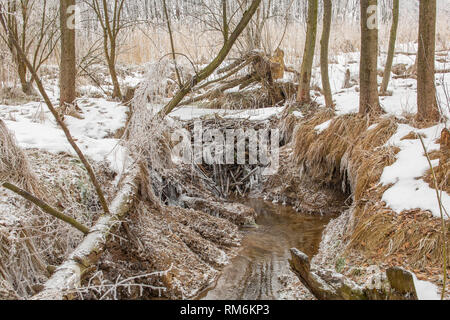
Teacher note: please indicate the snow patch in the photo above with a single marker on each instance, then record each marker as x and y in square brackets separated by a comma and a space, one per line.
[426, 290]
[35, 128]
[322, 127]
[409, 190]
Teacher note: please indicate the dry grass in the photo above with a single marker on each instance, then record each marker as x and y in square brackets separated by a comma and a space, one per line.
[320, 155]
[364, 161]
[411, 239]
[348, 154]
[31, 241]
[14, 165]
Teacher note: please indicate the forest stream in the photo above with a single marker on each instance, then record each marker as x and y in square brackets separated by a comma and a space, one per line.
[255, 273]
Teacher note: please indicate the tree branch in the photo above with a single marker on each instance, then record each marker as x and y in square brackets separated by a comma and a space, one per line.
[46, 208]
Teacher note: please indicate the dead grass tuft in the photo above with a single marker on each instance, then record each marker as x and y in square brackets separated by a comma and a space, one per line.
[364, 161]
[411, 238]
[320, 154]
[348, 154]
[14, 165]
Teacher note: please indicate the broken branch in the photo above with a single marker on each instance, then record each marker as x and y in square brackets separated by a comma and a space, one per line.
[46, 208]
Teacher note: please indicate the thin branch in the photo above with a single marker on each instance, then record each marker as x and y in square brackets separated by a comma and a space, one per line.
[441, 208]
[46, 208]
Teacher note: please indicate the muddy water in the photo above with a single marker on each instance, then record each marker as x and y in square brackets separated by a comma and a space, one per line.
[261, 270]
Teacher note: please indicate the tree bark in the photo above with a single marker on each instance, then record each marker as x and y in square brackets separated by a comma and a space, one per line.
[391, 51]
[68, 58]
[117, 93]
[46, 208]
[303, 95]
[369, 99]
[327, 14]
[426, 89]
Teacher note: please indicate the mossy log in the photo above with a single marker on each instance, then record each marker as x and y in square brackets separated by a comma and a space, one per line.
[326, 286]
[396, 284]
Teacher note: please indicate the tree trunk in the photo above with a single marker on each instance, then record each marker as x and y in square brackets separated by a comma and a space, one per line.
[391, 51]
[426, 90]
[327, 14]
[68, 58]
[303, 95]
[68, 276]
[27, 86]
[369, 99]
[117, 93]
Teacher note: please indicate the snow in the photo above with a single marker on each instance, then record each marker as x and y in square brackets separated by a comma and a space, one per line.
[35, 128]
[191, 112]
[426, 290]
[409, 190]
[404, 98]
[322, 127]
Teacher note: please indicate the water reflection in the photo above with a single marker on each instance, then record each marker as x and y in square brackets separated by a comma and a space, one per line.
[255, 273]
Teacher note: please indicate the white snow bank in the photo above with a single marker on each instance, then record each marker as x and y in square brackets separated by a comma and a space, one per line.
[404, 98]
[35, 128]
[322, 127]
[409, 190]
[426, 290]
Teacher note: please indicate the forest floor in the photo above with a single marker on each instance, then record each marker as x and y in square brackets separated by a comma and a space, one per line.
[194, 248]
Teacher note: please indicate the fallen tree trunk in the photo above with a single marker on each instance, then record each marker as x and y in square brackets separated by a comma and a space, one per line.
[67, 277]
[331, 286]
[221, 56]
[396, 284]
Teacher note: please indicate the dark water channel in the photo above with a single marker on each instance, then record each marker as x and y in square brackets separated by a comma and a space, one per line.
[257, 272]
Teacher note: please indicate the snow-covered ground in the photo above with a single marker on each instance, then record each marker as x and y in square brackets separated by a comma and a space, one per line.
[35, 128]
[409, 190]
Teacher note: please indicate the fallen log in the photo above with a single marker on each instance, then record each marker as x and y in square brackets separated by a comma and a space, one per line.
[331, 286]
[396, 284]
[67, 277]
[239, 214]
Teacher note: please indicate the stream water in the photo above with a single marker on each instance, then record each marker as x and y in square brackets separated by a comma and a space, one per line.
[261, 269]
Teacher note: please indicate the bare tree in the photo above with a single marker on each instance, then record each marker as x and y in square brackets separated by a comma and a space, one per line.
[391, 51]
[33, 23]
[327, 14]
[426, 89]
[68, 57]
[15, 43]
[303, 95]
[109, 15]
[369, 99]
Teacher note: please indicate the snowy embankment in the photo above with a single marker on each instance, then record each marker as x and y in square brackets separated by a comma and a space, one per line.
[35, 128]
[408, 190]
